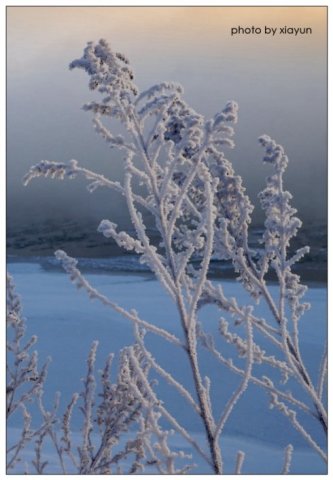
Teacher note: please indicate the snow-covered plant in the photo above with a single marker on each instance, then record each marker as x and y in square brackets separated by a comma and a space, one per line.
[120, 432]
[24, 379]
[176, 175]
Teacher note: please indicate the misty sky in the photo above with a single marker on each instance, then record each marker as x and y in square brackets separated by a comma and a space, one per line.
[279, 83]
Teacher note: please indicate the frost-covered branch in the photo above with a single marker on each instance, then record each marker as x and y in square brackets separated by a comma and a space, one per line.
[163, 373]
[100, 449]
[244, 383]
[239, 462]
[322, 374]
[61, 171]
[287, 459]
[24, 379]
[69, 264]
[264, 382]
[291, 415]
[200, 209]
[166, 414]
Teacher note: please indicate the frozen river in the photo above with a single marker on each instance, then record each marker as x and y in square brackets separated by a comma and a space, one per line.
[67, 322]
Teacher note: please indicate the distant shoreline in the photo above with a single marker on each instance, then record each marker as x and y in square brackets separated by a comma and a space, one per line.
[38, 242]
[126, 264]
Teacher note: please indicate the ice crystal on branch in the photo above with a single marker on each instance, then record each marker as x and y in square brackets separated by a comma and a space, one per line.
[200, 209]
[121, 429]
[109, 71]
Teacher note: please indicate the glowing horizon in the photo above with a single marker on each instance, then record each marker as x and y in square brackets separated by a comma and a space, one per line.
[279, 82]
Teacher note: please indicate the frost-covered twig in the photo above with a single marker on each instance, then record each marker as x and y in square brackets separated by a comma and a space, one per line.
[263, 382]
[24, 379]
[201, 211]
[116, 412]
[170, 418]
[291, 415]
[48, 429]
[25, 437]
[322, 374]
[80, 281]
[162, 455]
[288, 453]
[86, 449]
[282, 225]
[60, 171]
[163, 373]
[66, 429]
[245, 380]
[239, 462]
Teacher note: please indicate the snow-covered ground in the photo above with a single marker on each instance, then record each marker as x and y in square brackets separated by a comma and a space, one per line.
[66, 323]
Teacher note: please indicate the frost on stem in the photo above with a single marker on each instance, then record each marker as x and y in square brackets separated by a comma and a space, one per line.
[110, 72]
[70, 266]
[287, 459]
[24, 379]
[125, 410]
[200, 209]
[108, 229]
[45, 168]
[121, 431]
[281, 226]
[108, 419]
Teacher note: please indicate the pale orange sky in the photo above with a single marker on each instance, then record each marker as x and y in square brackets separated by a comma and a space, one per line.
[280, 82]
[48, 22]
[33, 31]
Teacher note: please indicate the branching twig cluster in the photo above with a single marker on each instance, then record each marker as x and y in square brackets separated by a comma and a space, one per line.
[201, 212]
[120, 431]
